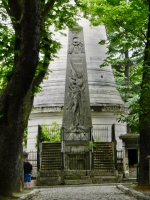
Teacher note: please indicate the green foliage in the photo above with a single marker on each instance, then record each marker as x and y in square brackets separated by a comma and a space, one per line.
[97, 139]
[45, 132]
[36, 90]
[126, 28]
[6, 51]
[91, 145]
[51, 134]
[54, 18]
[25, 137]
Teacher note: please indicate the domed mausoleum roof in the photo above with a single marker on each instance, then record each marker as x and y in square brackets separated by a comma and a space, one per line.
[102, 88]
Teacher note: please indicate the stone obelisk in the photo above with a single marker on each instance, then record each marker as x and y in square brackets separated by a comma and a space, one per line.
[77, 115]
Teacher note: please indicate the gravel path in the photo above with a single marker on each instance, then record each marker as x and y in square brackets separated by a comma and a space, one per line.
[83, 193]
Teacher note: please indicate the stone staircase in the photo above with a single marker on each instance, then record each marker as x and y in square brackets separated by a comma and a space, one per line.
[51, 156]
[103, 156]
[77, 179]
[52, 174]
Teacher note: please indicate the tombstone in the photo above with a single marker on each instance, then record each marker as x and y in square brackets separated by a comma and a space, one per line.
[77, 114]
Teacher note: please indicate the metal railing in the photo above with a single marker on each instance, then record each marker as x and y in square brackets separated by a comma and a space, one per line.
[120, 160]
[100, 134]
[76, 160]
[113, 139]
[32, 156]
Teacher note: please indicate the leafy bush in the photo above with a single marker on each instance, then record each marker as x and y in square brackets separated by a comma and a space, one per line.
[50, 133]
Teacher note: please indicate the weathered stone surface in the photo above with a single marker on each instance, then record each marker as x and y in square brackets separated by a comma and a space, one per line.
[77, 113]
[83, 192]
[78, 182]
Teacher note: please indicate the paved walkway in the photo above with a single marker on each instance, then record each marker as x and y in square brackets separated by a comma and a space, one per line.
[83, 193]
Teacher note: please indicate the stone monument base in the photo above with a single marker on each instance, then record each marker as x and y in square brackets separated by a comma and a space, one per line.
[76, 177]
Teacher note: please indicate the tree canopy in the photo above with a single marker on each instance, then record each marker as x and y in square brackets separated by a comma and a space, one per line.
[27, 45]
[128, 31]
[126, 27]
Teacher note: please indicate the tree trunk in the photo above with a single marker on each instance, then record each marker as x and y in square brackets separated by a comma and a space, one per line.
[144, 116]
[19, 180]
[11, 139]
[16, 100]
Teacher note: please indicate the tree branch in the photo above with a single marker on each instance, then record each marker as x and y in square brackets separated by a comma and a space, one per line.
[16, 10]
[48, 7]
[47, 56]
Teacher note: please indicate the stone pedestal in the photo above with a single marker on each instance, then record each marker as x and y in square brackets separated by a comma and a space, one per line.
[77, 114]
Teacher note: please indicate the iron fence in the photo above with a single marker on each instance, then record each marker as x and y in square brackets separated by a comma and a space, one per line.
[52, 160]
[120, 160]
[32, 156]
[76, 160]
[100, 134]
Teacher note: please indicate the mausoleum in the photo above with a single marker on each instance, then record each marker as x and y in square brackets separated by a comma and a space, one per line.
[81, 98]
[105, 100]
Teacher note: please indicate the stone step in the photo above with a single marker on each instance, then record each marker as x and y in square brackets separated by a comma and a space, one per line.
[105, 179]
[103, 148]
[128, 180]
[103, 143]
[85, 177]
[101, 160]
[51, 164]
[104, 168]
[103, 163]
[45, 165]
[76, 177]
[49, 149]
[100, 145]
[78, 182]
[51, 146]
[51, 143]
[48, 168]
[107, 165]
[103, 156]
[48, 162]
[51, 156]
[44, 168]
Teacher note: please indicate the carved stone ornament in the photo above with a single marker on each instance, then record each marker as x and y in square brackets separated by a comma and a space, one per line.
[77, 115]
[47, 109]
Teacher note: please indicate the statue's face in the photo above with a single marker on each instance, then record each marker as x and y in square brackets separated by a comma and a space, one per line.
[76, 41]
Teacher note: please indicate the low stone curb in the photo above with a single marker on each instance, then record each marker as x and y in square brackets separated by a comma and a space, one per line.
[134, 193]
[29, 195]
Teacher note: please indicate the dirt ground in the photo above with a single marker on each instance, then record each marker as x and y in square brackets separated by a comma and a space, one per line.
[144, 189]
